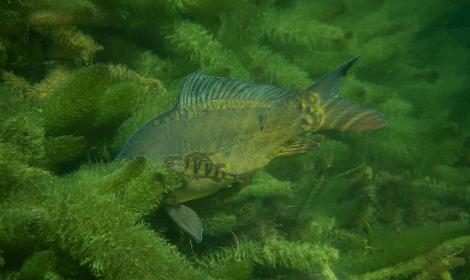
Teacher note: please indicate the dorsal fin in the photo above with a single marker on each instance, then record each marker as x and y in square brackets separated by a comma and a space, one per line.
[201, 157]
[329, 85]
[199, 88]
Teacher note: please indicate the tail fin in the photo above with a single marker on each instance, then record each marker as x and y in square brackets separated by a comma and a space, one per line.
[333, 112]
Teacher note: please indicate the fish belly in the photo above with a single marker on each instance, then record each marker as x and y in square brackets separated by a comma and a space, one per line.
[193, 189]
[245, 140]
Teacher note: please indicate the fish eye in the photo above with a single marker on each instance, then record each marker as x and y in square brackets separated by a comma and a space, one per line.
[169, 163]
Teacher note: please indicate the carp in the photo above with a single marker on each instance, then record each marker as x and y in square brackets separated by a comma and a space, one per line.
[240, 126]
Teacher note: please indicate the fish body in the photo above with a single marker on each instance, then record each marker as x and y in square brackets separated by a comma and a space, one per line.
[200, 166]
[240, 126]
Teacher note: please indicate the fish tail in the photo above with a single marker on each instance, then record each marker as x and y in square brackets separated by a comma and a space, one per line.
[324, 109]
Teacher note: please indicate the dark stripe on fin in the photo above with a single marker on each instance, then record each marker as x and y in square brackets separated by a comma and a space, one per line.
[339, 113]
[186, 219]
[344, 115]
[199, 88]
[200, 156]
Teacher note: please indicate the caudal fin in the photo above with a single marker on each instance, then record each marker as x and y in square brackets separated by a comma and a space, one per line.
[344, 115]
[333, 112]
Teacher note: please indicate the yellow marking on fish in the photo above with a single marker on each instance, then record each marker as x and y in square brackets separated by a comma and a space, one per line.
[309, 119]
[157, 122]
[305, 127]
[191, 114]
[314, 115]
[178, 115]
[245, 104]
[236, 104]
[320, 116]
[167, 119]
[314, 97]
[208, 105]
[304, 104]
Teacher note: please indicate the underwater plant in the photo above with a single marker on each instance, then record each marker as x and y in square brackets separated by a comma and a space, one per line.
[77, 78]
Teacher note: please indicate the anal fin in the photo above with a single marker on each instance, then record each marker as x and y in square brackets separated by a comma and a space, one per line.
[299, 146]
[186, 219]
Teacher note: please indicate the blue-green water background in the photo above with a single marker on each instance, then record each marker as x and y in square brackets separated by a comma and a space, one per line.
[78, 77]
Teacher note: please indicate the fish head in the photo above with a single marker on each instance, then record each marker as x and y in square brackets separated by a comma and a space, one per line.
[174, 164]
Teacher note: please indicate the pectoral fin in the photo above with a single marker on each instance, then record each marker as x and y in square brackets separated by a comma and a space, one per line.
[243, 178]
[186, 219]
[298, 146]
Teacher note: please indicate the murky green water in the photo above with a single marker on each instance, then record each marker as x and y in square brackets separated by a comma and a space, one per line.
[78, 77]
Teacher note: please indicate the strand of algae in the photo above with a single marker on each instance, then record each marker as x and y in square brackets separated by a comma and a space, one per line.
[66, 212]
[327, 62]
[242, 31]
[75, 102]
[3, 56]
[270, 67]
[21, 141]
[263, 186]
[264, 197]
[37, 266]
[429, 264]
[93, 215]
[194, 41]
[277, 253]
[70, 42]
[90, 99]
[64, 148]
[411, 244]
[302, 33]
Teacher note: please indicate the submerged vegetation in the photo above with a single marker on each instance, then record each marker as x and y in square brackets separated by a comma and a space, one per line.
[78, 77]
